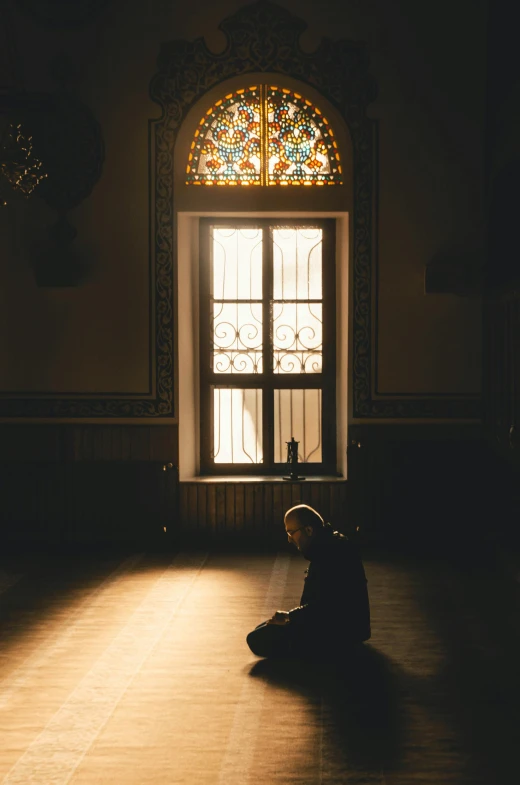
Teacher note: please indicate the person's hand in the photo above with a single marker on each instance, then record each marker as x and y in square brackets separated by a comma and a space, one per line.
[280, 618]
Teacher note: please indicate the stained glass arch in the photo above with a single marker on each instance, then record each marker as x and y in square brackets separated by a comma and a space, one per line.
[264, 135]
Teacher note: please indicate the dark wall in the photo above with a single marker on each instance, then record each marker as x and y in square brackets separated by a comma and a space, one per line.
[502, 280]
[94, 336]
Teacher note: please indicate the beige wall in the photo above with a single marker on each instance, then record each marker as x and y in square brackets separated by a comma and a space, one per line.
[428, 60]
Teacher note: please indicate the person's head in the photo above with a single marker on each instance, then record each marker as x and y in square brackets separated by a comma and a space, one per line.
[302, 523]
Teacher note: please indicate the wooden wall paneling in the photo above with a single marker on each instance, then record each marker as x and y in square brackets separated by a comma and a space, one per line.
[315, 497]
[171, 512]
[277, 508]
[362, 476]
[301, 493]
[115, 446]
[186, 514]
[501, 398]
[86, 444]
[119, 502]
[20, 442]
[71, 438]
[496, 374]
[287, 498]
[240, 493]
[193, 507]
[211, 504]
[33, 502]
[102, 443]
[325, 501]
[140, 443]
[220, 505]
[202, 508]
[88, 505]
[259, 508]
[249, 507]
[498, 363]
[268, 509]
[66, 501]
[229, 521]
[164, 444]
[126, 444]
[246, 509]
[507, 367]
[330, 493]
[335, 506]
[341, 508]
[515, 442]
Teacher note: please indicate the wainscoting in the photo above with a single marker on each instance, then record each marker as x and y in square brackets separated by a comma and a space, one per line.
[245, 510]
[87, 502]
[429, 485]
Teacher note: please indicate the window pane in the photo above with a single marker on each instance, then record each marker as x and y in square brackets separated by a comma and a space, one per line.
[237, 432]
[261, 135]
[302, 148]
[297, 263]
[237, 264]
[226, 147]
[297, 337]
[237, 337]
[298, 413]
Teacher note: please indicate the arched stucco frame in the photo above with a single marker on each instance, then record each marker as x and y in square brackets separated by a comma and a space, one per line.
[265, 38]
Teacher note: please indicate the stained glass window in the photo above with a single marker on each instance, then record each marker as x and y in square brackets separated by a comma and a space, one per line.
[264, 135]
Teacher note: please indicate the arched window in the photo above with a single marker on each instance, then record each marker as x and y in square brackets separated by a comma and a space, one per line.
[264, 135]
[262, 275]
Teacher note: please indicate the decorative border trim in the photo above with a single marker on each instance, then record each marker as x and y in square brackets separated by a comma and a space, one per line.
[265, 38]
[261, 37]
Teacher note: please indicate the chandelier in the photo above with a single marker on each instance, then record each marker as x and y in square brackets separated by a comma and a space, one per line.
[18, 163]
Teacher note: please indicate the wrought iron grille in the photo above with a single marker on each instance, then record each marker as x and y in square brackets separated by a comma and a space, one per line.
[267, 344]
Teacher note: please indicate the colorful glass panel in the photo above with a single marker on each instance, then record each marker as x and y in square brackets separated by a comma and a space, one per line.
[302, 149]
[226, 148]
[264, 135]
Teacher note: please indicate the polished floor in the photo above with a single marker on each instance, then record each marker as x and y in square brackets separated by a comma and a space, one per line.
[134, 670]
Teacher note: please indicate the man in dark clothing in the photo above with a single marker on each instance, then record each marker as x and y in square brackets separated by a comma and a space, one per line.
[334, 613]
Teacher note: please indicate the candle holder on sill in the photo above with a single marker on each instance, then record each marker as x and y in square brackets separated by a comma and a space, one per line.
[292, 461]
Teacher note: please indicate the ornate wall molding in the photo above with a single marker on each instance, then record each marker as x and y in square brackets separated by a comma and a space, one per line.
[265, 38]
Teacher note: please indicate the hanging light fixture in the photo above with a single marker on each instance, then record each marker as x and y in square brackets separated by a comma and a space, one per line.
[18, 163]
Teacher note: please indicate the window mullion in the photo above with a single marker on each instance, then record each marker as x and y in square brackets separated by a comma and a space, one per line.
[329, 346]
[267, 364]
[207, 413]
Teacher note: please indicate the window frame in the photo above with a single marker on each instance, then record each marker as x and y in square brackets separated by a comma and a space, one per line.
[269, 381]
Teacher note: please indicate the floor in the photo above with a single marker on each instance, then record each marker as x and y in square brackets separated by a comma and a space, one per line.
[134, 669]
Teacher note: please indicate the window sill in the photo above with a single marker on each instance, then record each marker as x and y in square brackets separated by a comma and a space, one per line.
[263, 479]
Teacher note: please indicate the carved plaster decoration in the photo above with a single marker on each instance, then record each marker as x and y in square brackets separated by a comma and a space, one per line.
[264, 37]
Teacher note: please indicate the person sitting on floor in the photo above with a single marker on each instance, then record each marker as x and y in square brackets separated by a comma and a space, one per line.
[334, 612]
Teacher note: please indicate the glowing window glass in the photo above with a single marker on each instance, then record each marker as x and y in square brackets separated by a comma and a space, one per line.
[264, 135]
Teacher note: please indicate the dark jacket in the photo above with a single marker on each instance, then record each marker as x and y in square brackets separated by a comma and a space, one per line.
[334, 602]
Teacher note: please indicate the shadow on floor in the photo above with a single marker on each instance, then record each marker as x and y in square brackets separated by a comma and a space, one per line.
[475, 612]
[359, 702]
